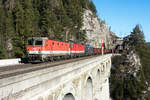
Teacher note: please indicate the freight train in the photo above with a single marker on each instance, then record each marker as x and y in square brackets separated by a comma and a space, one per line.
[41, 49]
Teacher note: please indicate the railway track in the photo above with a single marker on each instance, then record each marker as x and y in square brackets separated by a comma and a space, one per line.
[26, 68]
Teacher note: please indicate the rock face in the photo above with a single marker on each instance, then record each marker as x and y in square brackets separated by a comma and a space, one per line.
[97, 30]
[132, 60]
[134, 63]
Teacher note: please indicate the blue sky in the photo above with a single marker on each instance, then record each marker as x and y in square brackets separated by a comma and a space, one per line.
[123, 15]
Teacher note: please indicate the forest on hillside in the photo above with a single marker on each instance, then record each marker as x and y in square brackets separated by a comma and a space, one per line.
[56, 19]
[130, 80]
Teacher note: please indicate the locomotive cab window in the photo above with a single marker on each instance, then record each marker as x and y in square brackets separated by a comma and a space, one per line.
[38, 42]
[30, 41]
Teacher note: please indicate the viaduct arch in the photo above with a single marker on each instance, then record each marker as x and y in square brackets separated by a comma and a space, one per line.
[69, 96]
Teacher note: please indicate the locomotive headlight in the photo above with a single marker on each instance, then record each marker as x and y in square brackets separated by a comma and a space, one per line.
[28, 52]
[39, 51]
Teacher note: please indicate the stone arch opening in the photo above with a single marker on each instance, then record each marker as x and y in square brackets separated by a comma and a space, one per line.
[69, 96]
[88, 90]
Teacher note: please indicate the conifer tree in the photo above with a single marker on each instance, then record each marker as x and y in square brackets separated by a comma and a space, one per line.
[6, 30]
[19, 41]
[137, 37]
[2, 48]
[92, 7]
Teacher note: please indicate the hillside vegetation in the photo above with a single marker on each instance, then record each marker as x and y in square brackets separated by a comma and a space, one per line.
[56, 19]
[130, 76]
[148, 44]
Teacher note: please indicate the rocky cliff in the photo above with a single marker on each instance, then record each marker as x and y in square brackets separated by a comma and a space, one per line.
[97, 30]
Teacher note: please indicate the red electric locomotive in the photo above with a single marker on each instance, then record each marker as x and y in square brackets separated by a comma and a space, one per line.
[43, 49]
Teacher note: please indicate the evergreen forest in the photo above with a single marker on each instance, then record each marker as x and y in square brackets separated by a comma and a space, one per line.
[56, 19]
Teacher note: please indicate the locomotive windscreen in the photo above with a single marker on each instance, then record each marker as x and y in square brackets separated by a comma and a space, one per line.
[30, 41]
[35, 42]
[38, 42]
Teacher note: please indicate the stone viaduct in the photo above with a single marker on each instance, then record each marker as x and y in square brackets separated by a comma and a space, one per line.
[81, 80]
